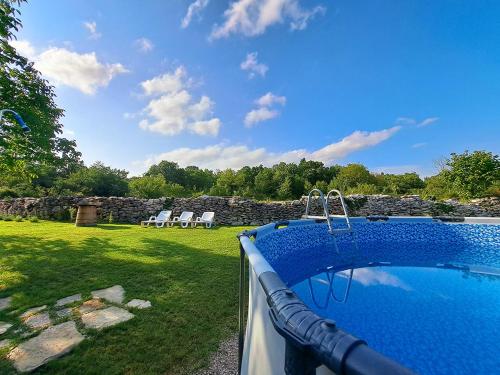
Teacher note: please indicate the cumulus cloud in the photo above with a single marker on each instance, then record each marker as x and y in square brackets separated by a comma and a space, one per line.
[253, 17]
[409, 121]
[144, 45]
[82, 71]
[172, 108]
[264, 111]
[194, 9]
[259, 115]
[253, 66]
[24, 48]
[222, 157]
[269, 99]
[91, 27]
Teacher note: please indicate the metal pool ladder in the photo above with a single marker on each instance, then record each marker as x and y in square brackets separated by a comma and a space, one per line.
[328, 217]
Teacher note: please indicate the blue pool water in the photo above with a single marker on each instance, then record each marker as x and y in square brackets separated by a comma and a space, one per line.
[426, 294]
[432, 320]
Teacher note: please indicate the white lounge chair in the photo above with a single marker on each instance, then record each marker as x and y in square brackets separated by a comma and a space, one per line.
[208, 218]
[160, 220]
[184, 220]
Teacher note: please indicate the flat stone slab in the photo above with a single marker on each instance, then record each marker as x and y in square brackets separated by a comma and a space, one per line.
[114, 294]
[90, 305]
[32, 311]
[106, 318]
[67, 300]
[50, 344]
[64, 313]
[5, 343]
[4, 327]
[38, 321]
[139, 304]
[5, 303]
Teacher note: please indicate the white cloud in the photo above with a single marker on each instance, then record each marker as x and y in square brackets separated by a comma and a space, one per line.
[353, 142]
[427, 121]
[269, 99]
[144, 45]
[81, 71]
[259, 115]
[61, 66]
[409, 121]
[253, 17]
[264, 111]
[253, 66]
[222, 157]
[166, 83]
[173, 110]
[24, 48]
[194, 8]
[419, 145]
[91, 27]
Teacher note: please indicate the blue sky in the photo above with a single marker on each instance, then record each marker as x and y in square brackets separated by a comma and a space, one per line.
[395, 85]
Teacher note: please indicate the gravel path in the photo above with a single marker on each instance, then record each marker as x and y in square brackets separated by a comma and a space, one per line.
[225, 360]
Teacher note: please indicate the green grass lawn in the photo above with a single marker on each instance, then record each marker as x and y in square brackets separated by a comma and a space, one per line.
[189, 275]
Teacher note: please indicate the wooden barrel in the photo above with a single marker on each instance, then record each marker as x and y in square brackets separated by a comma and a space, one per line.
[86, 215]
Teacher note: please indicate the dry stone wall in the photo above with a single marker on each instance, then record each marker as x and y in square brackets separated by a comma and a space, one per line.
[241, 211]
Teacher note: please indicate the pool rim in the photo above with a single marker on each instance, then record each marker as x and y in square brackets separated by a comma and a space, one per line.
[349, 352]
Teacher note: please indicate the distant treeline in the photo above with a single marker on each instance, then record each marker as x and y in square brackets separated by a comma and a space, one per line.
[463, 176]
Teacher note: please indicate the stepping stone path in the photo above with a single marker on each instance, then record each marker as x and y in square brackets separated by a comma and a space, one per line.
[5, 343]
[32, 311]
[57, 340]
[5, 303]
[100, 319]
[90, 305]
[4, 327]
[115, 294]
[38, 321]
[67, 300]
[50, 344]
[139, 304]
[64, 313]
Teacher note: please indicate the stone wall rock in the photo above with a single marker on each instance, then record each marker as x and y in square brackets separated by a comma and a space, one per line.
[242, 211]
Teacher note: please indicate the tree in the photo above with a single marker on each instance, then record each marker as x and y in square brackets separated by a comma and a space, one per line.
[25, 91]
[472, 174]
[264, 185]
[352, 175]
[148, 186]
[400, 183]
[98, 179]
[169, 170]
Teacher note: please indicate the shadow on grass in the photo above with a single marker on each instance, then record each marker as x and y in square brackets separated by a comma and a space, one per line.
[114, 226]
[193, 292]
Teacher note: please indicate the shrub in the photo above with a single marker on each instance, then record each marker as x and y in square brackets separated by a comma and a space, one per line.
[18, 218]
[7, 218]
[33, 219]
[110, 218]
[6, 192]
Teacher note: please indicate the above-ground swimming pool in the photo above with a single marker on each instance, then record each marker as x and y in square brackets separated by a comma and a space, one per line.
[423, 294]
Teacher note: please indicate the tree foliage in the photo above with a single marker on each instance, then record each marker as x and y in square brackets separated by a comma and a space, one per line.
[96, 180]
[23, 89]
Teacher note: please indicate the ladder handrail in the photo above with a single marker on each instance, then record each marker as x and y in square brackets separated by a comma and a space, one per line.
[342, 202]
[324, 204]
